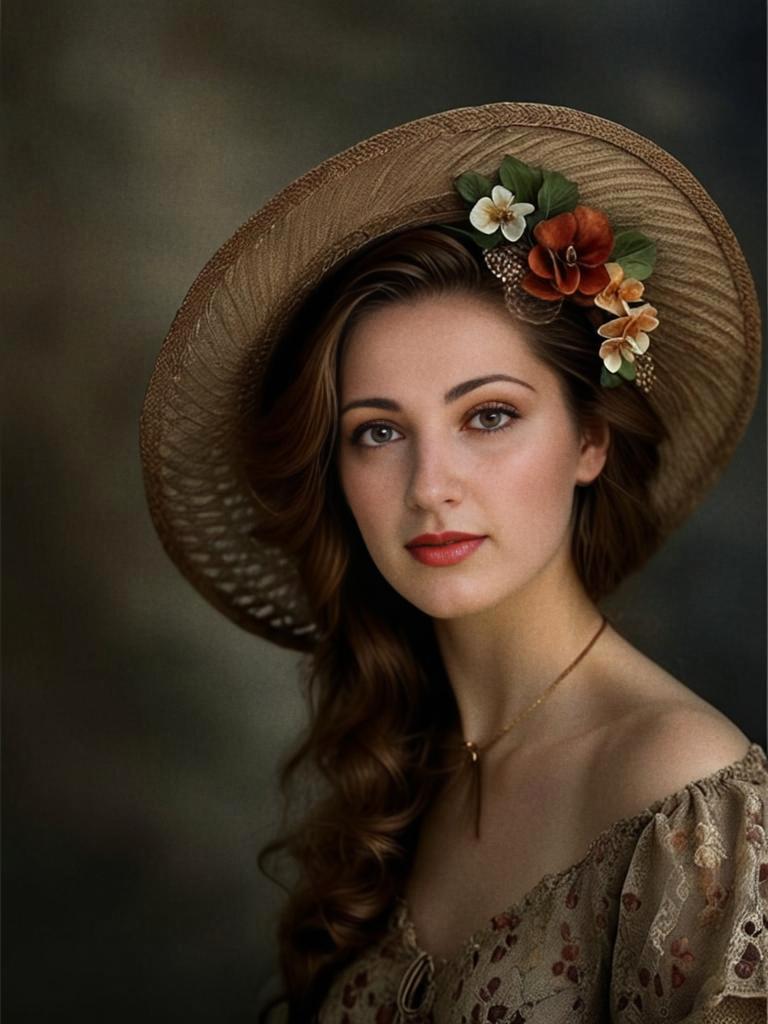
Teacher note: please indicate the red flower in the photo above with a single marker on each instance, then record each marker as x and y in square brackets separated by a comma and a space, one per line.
[570, 257]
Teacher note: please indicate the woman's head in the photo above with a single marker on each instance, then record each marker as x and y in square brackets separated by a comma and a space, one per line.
[570, 463]
[449, 421]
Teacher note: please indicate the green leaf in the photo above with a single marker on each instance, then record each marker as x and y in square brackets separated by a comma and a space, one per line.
[472, 186]
[531, 221]
[522, 180]
[635, 253]
[608, 379]
[627, 370]
[556, 195]
[487, 241]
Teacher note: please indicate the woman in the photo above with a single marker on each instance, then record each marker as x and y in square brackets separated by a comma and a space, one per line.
[399, 348]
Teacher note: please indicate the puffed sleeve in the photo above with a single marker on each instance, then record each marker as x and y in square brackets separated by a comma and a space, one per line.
[692, 934]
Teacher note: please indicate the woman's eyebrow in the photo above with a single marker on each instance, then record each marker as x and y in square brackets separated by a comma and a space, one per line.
[450, 395]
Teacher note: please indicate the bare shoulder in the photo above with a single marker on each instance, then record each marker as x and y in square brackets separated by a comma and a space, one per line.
[658, 751]
[652, 735]
[681, 741]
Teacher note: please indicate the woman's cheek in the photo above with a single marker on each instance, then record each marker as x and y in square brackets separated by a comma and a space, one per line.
[540, 487]
[367, 491]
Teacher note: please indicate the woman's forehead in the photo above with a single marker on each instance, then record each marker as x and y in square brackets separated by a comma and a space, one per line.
[431, 338]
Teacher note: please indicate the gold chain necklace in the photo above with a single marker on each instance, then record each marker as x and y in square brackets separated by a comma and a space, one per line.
[474, 750]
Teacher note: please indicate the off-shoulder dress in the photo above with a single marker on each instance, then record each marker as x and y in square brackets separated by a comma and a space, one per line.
[665, 918]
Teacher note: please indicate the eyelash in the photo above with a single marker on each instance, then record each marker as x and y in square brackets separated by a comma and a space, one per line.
[494, 406]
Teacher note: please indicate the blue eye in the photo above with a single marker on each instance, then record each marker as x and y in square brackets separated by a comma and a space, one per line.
[494, 408]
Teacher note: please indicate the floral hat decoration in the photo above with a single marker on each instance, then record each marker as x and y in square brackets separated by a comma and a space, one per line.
[502, 175]
[548, 249]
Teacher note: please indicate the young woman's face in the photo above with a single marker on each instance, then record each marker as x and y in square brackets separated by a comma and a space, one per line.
[428, 443]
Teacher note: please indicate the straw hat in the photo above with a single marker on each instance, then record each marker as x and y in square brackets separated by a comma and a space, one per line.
[206, 382]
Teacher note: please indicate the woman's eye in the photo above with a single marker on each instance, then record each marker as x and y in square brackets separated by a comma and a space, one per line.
[491, 418]
[380, 432]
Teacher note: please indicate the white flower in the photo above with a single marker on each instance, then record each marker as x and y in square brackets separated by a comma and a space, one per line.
[501, 210]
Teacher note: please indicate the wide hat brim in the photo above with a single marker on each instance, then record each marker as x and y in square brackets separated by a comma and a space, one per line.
[207, 380]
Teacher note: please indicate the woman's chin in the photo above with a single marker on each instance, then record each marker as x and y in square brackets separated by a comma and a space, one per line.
[450, 602]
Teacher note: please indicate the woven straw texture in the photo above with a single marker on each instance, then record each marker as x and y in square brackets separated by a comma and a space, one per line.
[206, 382]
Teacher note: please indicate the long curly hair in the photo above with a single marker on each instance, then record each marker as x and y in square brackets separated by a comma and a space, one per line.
[381, 710]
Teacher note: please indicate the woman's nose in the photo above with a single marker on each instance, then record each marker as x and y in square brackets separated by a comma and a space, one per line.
[434, 475]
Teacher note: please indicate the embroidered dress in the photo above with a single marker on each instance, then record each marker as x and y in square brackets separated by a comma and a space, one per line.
[665, 918]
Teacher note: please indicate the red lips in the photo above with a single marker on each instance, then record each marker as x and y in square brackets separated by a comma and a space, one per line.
[441, 538]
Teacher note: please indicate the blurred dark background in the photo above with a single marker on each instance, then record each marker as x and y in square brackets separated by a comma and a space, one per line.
[142, 730]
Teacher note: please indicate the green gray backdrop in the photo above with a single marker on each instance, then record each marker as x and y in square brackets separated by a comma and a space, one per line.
[142, 730]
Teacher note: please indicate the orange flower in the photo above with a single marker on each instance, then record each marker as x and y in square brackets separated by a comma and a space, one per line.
[627, 336]
[619, 291]
[569, 259]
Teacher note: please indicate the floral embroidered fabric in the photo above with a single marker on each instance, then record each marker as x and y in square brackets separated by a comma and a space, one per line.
[664, 918]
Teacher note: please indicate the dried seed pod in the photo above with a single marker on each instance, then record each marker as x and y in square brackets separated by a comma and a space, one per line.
[645, 372]
[510, 264]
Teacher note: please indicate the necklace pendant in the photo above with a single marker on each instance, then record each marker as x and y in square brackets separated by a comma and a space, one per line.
[471, 747]
[478, 795]
[474, 760]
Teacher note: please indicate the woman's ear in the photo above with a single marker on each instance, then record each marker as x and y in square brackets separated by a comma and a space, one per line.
[593, 451]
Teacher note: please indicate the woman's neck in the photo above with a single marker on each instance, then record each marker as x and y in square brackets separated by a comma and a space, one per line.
[500, 661]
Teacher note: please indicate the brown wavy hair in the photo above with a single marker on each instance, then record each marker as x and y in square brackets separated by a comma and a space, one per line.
[381, 710]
